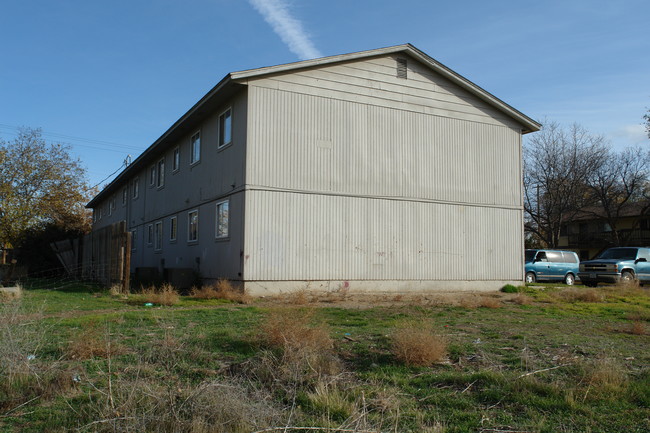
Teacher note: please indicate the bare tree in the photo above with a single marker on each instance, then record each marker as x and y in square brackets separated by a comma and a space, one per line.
[557, 164]
[40, 184]
[616, 183]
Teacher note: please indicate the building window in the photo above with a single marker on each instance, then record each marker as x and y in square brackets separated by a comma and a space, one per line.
[99, 212]
[150, 234]
[136, 187]
[193, 226]
[158, 236]
[152, 175]
[134, 238]
[195, 148]
[221, 230]
[125, 195]
[225, 128]
[160, 179]
[111, 206]
[173, 223]
[176, 160]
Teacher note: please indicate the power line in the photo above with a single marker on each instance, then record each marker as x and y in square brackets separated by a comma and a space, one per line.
[93, 144]
[126, 162]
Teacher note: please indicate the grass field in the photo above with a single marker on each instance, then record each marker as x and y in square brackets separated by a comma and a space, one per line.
[538, 359]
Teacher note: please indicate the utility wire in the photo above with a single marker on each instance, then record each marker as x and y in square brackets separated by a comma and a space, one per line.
[94, 144]
[124, 164]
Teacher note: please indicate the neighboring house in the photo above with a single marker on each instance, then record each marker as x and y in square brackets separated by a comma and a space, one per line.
[377, 170]
[589, 232]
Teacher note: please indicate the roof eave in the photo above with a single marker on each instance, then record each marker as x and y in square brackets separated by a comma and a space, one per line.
[134, 166]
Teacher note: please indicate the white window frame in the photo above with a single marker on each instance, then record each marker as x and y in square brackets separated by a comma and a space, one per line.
[125, 195]
[220, 138]
[189, 225]
[136, 187]
[111, 205]
[192, 143]
[225, 235]
[160, 173]
[176, 159]
[157, 236]
[134, 238]
[173, 229]
[150, 234]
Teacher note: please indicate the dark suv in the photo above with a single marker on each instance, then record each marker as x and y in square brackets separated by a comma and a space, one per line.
[617, 264]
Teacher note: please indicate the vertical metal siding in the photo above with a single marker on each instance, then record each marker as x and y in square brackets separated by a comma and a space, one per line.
[293, 236]
[342, 189]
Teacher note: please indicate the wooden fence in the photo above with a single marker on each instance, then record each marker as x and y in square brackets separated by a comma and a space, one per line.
[104, 255]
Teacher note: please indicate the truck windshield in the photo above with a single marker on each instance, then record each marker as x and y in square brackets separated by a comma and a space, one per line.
[619, 254]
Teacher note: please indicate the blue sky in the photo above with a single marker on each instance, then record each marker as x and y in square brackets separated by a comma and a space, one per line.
[110, 77]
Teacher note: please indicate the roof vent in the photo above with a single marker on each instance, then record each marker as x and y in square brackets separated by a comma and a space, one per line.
[401, 68]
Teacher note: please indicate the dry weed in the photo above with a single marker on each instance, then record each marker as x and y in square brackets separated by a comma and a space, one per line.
[522, 299]
[298, 298]
[10, 293]
[222, 289]
[604, 377]
[25, 372]
[637, 328]
[143, 404]
[165, 295]
[290, 328]
[472, 302]
[418, 345]
[92, 342]
[576, 294]
[301, 352]
[488, 302]
[117, 290]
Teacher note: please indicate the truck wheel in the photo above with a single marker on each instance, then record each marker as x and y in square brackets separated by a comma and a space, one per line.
[627, 277]
[569, 280]
[530, 278]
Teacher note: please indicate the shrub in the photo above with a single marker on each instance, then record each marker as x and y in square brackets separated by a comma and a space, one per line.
[222, 289]
[415, 345]
[165, 295]
[300, 352]
[10, 293]
[509, 288]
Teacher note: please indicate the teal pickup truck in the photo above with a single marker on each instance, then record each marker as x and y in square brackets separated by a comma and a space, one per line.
[621, 264]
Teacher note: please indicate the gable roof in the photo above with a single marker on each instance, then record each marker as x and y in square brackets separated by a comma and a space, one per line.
[234, 81]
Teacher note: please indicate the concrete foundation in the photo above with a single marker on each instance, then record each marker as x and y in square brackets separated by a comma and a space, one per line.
[264, 288]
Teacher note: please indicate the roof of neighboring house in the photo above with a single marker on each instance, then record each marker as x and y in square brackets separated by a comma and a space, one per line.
[235, 81]
[597, 213]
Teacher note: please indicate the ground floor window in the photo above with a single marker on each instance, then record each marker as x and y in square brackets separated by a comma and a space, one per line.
[158, 236]
[193, 226]
[221, 230]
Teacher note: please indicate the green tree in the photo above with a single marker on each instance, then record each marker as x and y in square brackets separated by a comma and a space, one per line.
[40, 185]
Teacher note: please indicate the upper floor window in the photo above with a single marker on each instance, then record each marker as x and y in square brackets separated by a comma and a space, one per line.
[221, 230]
[136, 187]
[111, 206]
[176, 159]
[125, 195]
[193, 226]
[150, 234]
[195, 148]
[152, 175]
[160, 178]
[225, 128]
